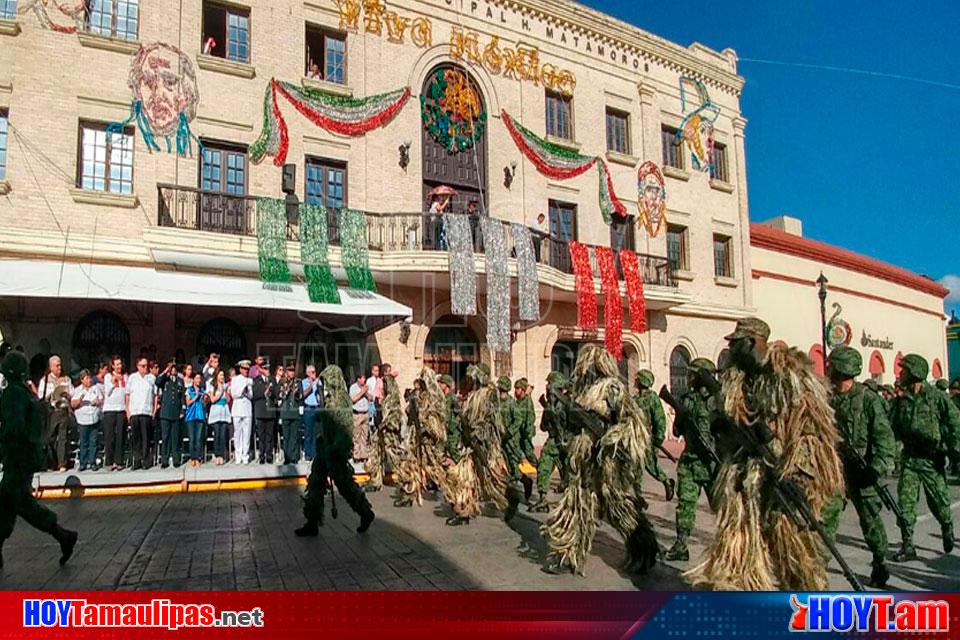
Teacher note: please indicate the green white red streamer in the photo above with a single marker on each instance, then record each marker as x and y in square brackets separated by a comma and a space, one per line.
[560, 163]
[583, 277]
[612, 305]
[337, 114]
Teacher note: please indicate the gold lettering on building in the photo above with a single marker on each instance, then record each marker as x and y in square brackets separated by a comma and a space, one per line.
[396, 26]
[421, 33]
[349, 11]
[376, 16]
[520, 63]
[373, 11]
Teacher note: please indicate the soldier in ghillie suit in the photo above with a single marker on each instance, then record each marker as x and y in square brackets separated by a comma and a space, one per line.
[650, 404]
[608, 446]
[697, 467]
[772, 391]
[866, 450]
[335, 446]
[387, 447]
[554, 451]
[22, 454]
[426, 442]
[928, 425]
[480, 473]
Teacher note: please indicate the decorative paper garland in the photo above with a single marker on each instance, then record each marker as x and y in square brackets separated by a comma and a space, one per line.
[586, 296]
[612, 305]
[272, 240]
[697, 126]
[314, 248]
[652, 198]
[463, 272]
[561, 163]
[450, 107]
[341, 115]
[638, 304]
[76, 13]
[353, 243]
[498, 285]
[528, 284]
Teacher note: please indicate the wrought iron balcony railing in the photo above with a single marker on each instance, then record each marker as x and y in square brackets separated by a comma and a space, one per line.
[190, 208]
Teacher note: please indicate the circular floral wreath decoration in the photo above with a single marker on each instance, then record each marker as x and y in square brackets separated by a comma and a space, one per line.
[452, 110]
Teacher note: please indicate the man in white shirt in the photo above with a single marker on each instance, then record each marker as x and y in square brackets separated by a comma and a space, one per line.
[241, 390]
[374, 395]
[114, 415]
[361, 417]
[87, 403]
[141, 402]
[55, 389]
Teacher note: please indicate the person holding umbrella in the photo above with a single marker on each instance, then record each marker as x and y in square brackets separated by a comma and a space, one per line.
[440, 199]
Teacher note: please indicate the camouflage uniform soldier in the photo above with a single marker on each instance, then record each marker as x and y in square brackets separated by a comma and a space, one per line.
[928, 426]
[955, 392]
[696, 468]
[942, 384]
[864, 427]
[650, 404]
[554, 451]
[454, 428]
[22, 454]
[520, 433]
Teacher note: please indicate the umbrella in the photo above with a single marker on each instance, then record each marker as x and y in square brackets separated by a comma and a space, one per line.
[444, 190]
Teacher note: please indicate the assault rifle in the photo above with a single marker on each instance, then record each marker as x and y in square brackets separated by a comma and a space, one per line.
[862, 470]
[682, 416]
[755, 440]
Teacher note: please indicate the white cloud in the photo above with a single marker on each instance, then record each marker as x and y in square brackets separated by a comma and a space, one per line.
[952, 282]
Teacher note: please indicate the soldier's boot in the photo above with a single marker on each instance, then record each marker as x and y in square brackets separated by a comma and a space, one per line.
[907, 552]
[670, 488]
[879, 575]
[456, 521]
[366, 519]
[369, 487]
[642, 548]
[513, 503]
[557, 567]
[67, 540]
[947, 531]
[679, 549]
[541, 505]
[310, 529]
[527, 487]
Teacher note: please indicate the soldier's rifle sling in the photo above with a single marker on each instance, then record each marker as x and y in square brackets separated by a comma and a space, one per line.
[682, 416]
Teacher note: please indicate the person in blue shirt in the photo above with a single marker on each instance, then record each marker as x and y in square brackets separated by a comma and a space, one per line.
[195, 417]
[312, 387]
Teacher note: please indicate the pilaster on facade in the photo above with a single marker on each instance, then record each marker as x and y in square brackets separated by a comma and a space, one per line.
[740, 158]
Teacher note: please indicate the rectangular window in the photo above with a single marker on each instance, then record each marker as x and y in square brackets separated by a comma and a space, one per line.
[722, 256]
[563, 229]
[326, 55]
[106, 159]
[8, 9]
[671, 150]
[3, 144]
[226, 32]
[326, 183]
[718, 168]
[618, 131]
[224, 169]
[677, 247]
[559, 115]
[113, 18]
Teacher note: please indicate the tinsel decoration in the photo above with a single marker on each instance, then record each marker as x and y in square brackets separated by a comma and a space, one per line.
[528, 284]
[498, 285]
[561, 163]
[634, 281]
[612, 305]
[321, 285]
[338, 114]
[272, 240]
[451, 110]
[586, 295]
[463, 271]
[353, 242]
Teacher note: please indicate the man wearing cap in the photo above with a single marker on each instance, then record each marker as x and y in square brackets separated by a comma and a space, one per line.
[696, 468]
[264, 394]
[22, 454]
[773, 391]
[554, 451]
[289, 396]
[522, 429]
[241, 391]
[172, 391]
[865, 429]
[504, 384]
[928, 425]
[650, 404]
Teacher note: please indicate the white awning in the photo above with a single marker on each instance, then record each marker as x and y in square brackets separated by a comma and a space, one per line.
[70, 280]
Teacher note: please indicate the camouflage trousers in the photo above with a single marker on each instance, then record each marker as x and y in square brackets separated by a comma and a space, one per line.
[652, 464]
[693, 475]
[917, 472]
[337, 467]
[868, 506]
[516, 447]
[551, 456]
[16, 499]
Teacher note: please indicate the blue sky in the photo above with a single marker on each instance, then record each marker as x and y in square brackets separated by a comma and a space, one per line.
[868, 163]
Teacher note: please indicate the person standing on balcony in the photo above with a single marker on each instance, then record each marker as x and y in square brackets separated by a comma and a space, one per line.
[141, 402]
[312, 390]
[541, 230]
[439, 206]
[114, 415]
[361, 412]
[172, 391]
[219, 417]
[241, 391]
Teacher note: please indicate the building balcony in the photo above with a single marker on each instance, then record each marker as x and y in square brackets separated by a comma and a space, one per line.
[224, 227]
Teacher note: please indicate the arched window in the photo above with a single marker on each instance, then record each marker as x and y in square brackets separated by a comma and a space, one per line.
[97, 337]
[679, 364]
[877, 367]
[630, 363]
[816, 355]
[223, 336]
[936, 371]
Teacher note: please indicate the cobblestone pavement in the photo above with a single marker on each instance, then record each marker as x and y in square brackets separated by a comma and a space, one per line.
[244, 540]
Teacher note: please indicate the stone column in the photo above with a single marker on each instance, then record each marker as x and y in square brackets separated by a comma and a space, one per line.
[740, 160]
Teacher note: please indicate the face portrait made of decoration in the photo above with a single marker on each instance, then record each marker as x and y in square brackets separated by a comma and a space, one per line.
[164, 81]
[653, 197]
[697, 127]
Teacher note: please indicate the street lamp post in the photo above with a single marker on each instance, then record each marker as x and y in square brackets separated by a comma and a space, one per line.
[822, 294]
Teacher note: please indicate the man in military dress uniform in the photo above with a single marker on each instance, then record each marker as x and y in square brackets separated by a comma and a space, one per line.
[651, 406]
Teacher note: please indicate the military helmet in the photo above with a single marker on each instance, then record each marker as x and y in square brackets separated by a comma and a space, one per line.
[955, 385]
[645, 378]
[916, 366]
[446, 379]
[557, 378]
[702, 364]
[14, 367]
[846, 361]
[521, 384]
[503, 383]
[942, 384]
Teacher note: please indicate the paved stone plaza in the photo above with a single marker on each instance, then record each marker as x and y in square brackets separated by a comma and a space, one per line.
[244, 540]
